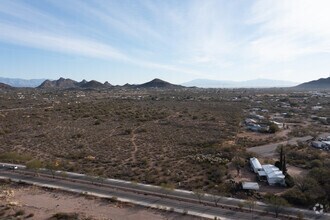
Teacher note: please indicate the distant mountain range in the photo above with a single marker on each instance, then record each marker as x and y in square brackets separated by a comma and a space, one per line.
[15, 82]
[323, 83]
[257, 83]
[62, 83]
[69, 83]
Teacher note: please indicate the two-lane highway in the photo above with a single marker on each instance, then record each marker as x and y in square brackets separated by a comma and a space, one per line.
[127, 196]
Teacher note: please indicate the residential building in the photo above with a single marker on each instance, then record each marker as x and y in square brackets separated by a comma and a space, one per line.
[255, 165]
[273, 175]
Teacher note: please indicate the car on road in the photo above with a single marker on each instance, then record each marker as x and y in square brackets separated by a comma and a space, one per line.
[9, 167]
[13, 167]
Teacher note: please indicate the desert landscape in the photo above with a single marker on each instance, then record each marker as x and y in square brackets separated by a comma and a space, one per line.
[160, 134]
[150, 109]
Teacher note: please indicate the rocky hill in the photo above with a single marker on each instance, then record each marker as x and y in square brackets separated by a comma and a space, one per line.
[4, 86]
[158, 83]
[323, 83]
[61, 83]
[94, 84]
[71, 84]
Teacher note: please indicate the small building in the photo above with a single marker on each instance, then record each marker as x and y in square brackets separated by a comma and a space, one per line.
[317, 144]
[253, 127]
[274, 175]
[316, 108]
[250, 186]
[326, 145]
[256, 116]
[278, 124]
[250, 121]
[326, 142]
[255, 165]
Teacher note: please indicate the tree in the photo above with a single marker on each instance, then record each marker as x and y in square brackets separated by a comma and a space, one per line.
[296, 197]
[52, 166]
[216, 199]
[276, 204]
[101, 178]
[240, 205]
[281, 158]
[251, 204]
[273, 128]
[300, 216]
[284, 169]
[282, 163]
[90, 175]
[167, 187]
[238, 163]
[34, 165]
[199, 194]
[64, 174]
[305, 183]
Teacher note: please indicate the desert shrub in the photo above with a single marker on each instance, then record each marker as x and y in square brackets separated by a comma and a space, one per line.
[65, 216]
[19, 213]
[289, 181]
[321, 175]
[127, 131]
[273, 128]
[29, 215]
[315, 163]
[15, 157]
[216, 173]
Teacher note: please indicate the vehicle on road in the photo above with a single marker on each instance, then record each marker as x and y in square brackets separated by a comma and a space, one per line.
[8, 167]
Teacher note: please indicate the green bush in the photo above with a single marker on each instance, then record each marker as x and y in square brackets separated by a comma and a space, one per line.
[296, 197]
[65, 216]
[289, 181]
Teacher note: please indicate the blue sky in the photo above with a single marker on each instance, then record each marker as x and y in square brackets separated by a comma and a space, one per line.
[137, 40]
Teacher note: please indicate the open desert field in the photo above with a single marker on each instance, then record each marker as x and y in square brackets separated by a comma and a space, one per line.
[185, 138]
[146, 136]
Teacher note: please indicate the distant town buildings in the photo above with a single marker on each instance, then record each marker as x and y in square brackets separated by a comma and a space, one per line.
[322, 143]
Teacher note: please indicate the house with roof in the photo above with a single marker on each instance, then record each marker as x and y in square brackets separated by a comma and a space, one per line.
[255, 165]
[272, 174]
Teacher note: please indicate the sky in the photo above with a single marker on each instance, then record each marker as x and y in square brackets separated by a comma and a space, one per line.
[134, 41]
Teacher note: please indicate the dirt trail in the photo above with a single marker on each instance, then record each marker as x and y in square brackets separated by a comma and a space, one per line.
[133, 154]
[107, 136]
[134, 135]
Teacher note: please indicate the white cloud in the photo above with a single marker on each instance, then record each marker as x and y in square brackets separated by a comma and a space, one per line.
[211, 38]
[288, 30]
[28, 30]
[79, 46]
[59, 43]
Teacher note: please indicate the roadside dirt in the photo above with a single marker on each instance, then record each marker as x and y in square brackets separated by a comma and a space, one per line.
[44, 203]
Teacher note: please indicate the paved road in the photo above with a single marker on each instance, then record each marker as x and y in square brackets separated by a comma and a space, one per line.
[137, 198]
[269, 150]
[148, 195]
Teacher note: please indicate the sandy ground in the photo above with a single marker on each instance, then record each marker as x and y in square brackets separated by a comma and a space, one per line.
[44, 203]
[296, 171]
